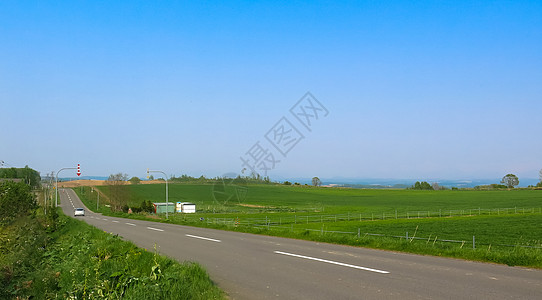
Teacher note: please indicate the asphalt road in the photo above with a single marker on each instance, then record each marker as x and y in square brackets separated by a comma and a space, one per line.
[249, 266]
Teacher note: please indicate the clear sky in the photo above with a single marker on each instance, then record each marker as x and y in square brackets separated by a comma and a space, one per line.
[412, 89]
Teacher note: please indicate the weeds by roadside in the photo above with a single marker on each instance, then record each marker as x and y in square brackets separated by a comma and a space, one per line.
[78, 261]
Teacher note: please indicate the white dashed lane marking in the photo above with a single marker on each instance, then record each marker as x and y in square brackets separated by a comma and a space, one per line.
[203, 238]
[156, 229]
[332, 262]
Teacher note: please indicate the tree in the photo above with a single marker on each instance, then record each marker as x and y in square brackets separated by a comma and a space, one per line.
[316, 181]
[118, 192]
[510, 180]
[540, 175]
[424, 185]
[135, 180]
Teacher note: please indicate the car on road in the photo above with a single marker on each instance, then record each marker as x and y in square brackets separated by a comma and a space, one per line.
[79, 212]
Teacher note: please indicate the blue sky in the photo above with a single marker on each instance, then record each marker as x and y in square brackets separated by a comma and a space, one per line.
[414, 89]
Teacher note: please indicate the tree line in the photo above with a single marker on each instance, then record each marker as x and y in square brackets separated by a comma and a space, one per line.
[509, 181]
[28, 175]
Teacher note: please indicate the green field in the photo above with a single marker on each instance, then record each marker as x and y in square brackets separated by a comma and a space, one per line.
[336, 200]
[499, 220]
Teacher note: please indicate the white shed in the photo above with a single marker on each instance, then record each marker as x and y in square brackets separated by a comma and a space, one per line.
[186, 207]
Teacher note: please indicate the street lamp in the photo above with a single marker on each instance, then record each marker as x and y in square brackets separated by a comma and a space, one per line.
[56, 184]
[165, 176]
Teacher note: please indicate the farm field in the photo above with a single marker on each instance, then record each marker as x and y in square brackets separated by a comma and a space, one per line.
[335, 200]
[441, 221]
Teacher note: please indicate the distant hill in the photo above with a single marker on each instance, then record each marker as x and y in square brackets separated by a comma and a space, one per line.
[386, 183]
[373, 183]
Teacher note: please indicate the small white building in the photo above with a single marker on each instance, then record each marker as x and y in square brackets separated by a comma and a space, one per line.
[185, 207]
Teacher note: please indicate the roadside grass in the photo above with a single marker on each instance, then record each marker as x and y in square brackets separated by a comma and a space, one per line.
[96, 264]
[78, 261]
[271, 210]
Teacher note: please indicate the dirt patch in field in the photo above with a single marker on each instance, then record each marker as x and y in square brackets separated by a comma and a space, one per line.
[87, 182]
[76, 183]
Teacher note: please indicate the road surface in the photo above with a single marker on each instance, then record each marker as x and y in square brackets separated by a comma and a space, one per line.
[249, 266]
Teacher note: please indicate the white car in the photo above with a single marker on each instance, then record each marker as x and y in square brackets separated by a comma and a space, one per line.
[79, 212]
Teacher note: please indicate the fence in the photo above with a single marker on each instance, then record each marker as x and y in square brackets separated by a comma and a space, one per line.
[269, 226]
[280, 222]
[323, 218]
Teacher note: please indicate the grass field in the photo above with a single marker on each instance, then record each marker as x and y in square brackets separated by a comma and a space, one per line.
[499, 220]
[336, 200]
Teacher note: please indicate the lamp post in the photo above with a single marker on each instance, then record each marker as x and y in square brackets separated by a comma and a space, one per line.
[165, 177]
[56, 184]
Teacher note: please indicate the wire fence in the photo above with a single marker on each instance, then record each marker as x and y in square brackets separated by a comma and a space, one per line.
[430, 239]
[326, 218]
[288, 222]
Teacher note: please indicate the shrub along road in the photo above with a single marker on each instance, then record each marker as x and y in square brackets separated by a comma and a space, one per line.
[251, 266]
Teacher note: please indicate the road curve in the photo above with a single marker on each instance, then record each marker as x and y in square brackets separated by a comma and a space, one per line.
[249, 266]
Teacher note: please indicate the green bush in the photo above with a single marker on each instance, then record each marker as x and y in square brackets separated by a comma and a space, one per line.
[16, 200]
[22, 246]
[146, 206]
